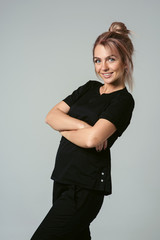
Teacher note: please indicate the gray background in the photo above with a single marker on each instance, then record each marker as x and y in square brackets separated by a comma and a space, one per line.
[45, 53]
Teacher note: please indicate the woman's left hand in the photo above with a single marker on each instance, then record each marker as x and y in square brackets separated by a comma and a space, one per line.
[101, 146]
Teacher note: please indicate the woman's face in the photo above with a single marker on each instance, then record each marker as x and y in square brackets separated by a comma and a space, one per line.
[108, 65]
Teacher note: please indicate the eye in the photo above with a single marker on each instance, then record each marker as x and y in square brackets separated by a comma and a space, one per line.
[97, 61]
[112, 59]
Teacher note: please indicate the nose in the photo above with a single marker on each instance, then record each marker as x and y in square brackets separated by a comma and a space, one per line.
[105, 66]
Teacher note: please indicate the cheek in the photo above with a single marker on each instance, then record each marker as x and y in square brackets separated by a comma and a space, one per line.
[122, 69]
[119, 68]
[97, 68]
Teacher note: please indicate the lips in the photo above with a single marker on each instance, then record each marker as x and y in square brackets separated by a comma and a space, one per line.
[107, 75]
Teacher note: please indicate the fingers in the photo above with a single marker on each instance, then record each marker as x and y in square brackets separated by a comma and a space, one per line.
[105, 144]
[101, 146]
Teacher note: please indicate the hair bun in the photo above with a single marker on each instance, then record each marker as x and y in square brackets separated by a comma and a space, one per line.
[119, 27]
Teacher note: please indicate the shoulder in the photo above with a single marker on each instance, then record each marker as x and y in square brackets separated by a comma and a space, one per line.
[93, 83]
[124, 96]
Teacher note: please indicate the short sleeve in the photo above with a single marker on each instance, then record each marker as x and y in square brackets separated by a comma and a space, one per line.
[119, 112]
[72, 98]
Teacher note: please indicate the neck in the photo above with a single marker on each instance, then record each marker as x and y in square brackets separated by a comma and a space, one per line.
[108, 88]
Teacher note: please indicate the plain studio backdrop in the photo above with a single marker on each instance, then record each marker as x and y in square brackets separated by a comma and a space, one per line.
[46, 52]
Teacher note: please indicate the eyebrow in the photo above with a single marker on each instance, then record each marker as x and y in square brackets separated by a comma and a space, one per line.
[106, 57]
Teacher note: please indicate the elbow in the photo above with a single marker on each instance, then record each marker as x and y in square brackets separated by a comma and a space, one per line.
[91, 142]
[47, 119]
[50, 116]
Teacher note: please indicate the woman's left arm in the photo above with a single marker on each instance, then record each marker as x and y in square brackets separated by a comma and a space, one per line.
[92, 136]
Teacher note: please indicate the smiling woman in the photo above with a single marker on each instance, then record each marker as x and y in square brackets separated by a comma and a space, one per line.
[117, 42]
[109, 66]
[90, 120]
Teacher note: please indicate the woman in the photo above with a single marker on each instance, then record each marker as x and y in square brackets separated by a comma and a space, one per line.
[89, 120]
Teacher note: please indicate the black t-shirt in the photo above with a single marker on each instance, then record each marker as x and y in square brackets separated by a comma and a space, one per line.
[87, 167]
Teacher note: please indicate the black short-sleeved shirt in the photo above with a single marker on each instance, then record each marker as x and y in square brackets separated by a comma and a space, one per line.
[87, 167]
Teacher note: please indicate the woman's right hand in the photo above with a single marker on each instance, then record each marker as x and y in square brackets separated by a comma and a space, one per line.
[101, 146]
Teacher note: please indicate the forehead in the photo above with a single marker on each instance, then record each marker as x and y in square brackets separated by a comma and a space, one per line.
[105, 51]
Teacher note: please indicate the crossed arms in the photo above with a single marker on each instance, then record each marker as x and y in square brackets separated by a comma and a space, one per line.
[77, 131]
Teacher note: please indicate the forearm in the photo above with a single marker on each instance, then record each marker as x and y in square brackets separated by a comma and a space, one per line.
[83, 137]
[92, 136]
[60, 121]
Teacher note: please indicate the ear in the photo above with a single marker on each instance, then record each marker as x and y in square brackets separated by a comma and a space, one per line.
[125, 67]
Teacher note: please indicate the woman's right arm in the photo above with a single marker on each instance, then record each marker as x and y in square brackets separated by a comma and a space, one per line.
[59, 120]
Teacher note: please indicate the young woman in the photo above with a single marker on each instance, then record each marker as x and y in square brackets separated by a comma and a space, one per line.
[89, 120]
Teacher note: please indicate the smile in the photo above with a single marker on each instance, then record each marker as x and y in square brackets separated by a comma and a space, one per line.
[107, 75]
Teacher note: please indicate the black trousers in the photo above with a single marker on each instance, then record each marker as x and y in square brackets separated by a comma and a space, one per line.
[74, 208]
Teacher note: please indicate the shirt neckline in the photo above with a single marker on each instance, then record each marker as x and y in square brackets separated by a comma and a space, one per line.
[110, 92]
